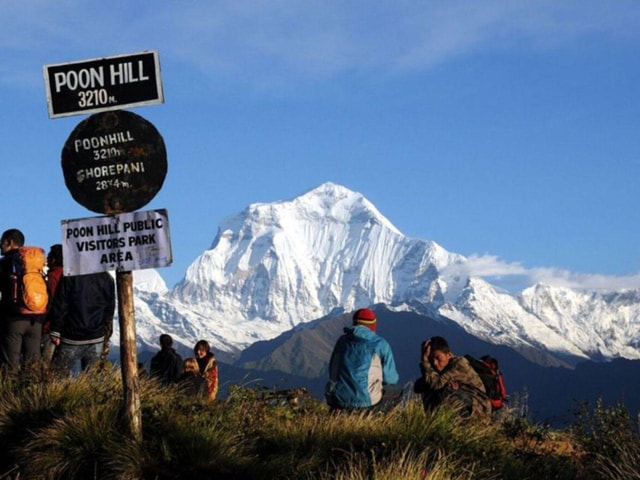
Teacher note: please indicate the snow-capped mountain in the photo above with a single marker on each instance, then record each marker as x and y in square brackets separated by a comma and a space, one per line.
[277, 265]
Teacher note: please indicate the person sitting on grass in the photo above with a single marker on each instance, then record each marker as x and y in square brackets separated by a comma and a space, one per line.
[447, 379]
[361, 367]
[166, 365]
[191, 381]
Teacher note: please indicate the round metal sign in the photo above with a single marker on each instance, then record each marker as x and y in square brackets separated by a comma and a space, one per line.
[114, 162]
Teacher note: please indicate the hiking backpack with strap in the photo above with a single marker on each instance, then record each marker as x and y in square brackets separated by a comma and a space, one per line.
[487, 370]
[28, 286]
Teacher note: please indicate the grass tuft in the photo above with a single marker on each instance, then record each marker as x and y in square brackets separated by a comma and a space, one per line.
[68, 428]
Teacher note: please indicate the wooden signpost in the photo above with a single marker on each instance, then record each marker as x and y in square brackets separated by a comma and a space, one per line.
[114, 162]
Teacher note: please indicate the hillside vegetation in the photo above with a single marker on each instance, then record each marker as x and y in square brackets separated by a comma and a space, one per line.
[72, 428]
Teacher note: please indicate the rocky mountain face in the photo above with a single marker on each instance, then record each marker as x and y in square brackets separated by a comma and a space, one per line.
[275, 267]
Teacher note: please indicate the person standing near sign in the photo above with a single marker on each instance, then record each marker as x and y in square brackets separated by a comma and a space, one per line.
[20, 331]
[54, 273]
[81, 316]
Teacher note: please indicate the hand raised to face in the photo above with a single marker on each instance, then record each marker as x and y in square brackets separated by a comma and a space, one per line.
[425, 348]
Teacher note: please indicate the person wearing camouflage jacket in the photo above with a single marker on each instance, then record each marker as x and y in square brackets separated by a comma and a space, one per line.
[447, 378]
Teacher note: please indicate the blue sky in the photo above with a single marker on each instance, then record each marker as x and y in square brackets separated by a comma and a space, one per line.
[505, 131]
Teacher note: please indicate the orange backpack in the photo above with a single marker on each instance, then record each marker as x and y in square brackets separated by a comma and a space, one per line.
[28, 285]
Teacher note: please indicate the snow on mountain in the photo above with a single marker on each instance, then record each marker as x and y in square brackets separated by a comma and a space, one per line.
[274, 266]
[277, 265]
[600, 325]
[499, 318]
[569, 323]
[149, 281]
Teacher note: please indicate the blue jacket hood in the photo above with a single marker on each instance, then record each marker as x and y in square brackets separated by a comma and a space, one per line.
[361, 333]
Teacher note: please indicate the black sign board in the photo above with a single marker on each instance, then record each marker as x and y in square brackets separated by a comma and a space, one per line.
[103, 84]
[114, 162]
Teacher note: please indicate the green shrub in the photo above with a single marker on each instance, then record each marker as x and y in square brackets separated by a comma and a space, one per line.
[611, 440]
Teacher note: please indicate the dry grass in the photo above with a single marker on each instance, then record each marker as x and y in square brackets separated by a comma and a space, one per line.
[68, 428]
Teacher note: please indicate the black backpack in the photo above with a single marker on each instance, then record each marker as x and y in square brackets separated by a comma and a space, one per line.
[487, 370]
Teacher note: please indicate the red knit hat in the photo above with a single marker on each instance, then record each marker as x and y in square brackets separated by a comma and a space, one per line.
[365, 317]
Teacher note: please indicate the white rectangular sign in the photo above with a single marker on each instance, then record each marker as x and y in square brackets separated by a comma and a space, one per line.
[122, 242]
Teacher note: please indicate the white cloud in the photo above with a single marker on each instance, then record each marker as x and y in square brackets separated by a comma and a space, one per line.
[513, 276]
[586, 281]
[256, 40]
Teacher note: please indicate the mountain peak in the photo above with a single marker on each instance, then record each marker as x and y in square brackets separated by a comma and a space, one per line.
[276, 265]
[329, 189]
[332, 201]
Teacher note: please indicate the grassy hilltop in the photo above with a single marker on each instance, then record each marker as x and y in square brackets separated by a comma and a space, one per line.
[73, 428]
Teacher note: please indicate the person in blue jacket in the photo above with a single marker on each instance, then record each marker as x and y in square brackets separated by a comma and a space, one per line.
[361, 365]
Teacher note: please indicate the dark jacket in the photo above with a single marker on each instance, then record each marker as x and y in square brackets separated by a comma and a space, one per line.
[53, 279]
[193, 384]
[166, 365]
[83, 308]
[5, 282]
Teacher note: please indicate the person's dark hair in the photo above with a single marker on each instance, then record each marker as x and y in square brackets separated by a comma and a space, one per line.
[54, 257]
[14, 235]
[439, 343]
[166, 341]
[202, 343]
